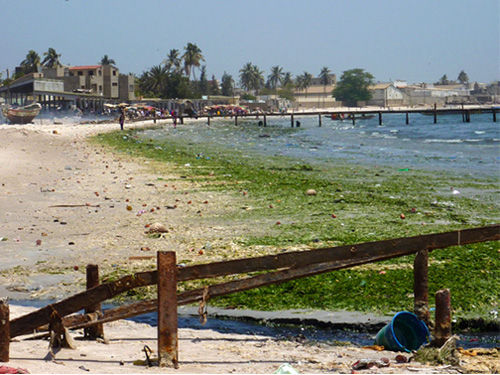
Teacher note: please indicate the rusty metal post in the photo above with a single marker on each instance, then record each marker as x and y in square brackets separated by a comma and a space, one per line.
[96, 331]
[4, 330]
[421, 286]
[167, 309]
[442, 331]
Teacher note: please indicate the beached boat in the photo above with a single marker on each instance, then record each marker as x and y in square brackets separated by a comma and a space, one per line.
[22, 115]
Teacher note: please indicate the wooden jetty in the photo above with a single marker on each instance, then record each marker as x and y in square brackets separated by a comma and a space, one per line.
[354, 114]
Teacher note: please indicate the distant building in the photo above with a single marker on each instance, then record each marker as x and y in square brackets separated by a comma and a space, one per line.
[317, 95]
[102, 80]
[386, 95]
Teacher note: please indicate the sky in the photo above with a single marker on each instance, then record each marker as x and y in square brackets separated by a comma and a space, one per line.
[412, 40]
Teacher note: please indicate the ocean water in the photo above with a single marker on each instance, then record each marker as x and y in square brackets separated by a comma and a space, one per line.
[451, 144]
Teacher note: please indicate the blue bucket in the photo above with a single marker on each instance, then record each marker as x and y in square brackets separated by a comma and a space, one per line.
[405, 332]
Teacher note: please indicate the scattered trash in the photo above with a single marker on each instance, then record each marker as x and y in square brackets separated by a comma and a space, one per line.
[404, 170]
[286, 368]
[369, 363]
[13, 370]
[311, 192]
[405, 332]
[378, 348]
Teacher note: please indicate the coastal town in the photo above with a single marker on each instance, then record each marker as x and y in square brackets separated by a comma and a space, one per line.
[273, 203]
[100, 88]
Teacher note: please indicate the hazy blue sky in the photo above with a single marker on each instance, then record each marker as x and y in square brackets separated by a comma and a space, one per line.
[413, 40]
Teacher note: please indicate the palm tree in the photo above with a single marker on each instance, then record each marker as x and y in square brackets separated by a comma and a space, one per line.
[324, 77]
[192, 58]
[246, 76]
[51, 59]
[154, 80]
[251, 78]
[107, 61]
[31, 63]
[276, 77]
[304, 81]
[287, 79]
[173, 60]
[258, 79]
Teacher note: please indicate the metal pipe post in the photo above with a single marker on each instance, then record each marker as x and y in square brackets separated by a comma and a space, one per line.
[4, 330]
[442, 330]
[421, 286]
[167, 310]
[96, 331]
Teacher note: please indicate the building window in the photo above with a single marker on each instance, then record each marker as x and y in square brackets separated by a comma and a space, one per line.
[99, 72]
[80, 73]
[115, 84]
[100, 88]
[131, 88]
[114, 72]
[91, 72]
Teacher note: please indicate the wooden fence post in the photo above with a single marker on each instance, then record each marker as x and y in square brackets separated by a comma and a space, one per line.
[4, 330]
[96, 331]
[442, 331]
[167, 309]
[421, 286]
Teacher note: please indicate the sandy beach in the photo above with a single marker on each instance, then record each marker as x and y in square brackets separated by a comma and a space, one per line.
[65, 204]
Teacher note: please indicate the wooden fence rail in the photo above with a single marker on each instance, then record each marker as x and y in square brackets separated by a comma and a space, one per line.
[286, 266]
[355, 254]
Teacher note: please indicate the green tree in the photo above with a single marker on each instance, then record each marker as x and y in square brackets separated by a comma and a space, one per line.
[107, 61]
[51, 59]
[214, 87]
[275, 79]
[353, 86]
[463, 77]
[192, 58]
[173, 61]
[251, 77]
[443, 80]
[31, 63]
[154, 81]
[227, 85]
[287, 79]
[304, 81]
[324, 78]
[203, 83]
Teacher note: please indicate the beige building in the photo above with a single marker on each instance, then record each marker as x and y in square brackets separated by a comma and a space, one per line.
[102, 80]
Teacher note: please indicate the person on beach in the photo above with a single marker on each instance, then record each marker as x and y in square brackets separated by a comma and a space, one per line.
[122, 119]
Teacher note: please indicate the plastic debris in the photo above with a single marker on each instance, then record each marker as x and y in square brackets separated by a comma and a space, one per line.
[286, 368]
[369, 363]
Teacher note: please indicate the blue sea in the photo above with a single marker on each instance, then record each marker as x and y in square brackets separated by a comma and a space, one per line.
[449, 145]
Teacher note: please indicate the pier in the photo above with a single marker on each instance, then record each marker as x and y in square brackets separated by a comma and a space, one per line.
[355, 114]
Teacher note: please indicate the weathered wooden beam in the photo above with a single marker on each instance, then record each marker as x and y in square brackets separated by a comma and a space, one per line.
[167, 310]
